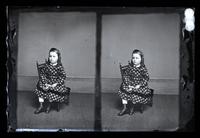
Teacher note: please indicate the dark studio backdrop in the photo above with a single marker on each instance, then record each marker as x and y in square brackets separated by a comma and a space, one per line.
[74, 33]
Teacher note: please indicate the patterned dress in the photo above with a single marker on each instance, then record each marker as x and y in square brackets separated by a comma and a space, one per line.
[133, 76]
[50, 74]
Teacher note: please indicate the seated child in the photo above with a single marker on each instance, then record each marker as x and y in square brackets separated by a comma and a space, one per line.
[50, 87]
[134, 87]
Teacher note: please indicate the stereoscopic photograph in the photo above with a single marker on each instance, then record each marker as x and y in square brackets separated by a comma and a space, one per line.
[100, 69]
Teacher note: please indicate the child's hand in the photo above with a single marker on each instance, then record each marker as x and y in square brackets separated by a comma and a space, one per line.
[54, 85]
[130, 87]
[137, 86]
[46, 87]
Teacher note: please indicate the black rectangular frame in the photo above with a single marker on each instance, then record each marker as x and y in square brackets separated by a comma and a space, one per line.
[187, 48]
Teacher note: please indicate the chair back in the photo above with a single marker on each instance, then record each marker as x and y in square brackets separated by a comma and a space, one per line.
[122, 70]
[40, 67]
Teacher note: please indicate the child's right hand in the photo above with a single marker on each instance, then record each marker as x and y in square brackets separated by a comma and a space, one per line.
[130, 88]
[46, 87]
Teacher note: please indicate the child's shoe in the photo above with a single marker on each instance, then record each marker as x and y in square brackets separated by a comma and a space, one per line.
[40, 109]
[123, 111]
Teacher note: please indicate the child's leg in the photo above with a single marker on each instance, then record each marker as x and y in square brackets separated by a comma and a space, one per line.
[40, 109]
[123, 111]
[131, 107]
[48, 106]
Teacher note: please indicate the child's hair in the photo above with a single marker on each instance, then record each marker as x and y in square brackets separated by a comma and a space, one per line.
[136, 51]
[57, 52]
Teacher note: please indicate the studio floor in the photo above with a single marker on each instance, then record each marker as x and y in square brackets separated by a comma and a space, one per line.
[79, 114]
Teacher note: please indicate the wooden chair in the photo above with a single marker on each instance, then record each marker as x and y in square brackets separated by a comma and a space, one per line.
[66, 94]
[122, 70]
[39, 68]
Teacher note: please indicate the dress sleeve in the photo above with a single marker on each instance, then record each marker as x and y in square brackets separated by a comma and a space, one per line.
[145, 77]
[62, 76]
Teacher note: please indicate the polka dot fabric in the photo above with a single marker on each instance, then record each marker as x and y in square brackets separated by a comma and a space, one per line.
[133, 76]
[50, 75]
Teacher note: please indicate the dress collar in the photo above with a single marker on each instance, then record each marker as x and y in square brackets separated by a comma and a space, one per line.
[134, 66]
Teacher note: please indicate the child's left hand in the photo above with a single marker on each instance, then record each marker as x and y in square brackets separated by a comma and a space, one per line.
[137, 86]
[47, 85]
[54, 85]
[130, 88]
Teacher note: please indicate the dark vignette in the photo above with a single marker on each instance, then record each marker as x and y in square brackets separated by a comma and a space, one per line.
[12, 49]
[187, 72]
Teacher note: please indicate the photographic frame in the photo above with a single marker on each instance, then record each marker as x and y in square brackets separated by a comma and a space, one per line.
[187, 47]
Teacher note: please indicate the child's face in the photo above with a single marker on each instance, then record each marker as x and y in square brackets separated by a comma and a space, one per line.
[53, 57]
[136, 58]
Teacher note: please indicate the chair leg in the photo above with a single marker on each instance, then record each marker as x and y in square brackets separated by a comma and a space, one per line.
[141, 108]
[66, 100]
[58, 106]
[151, 102]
